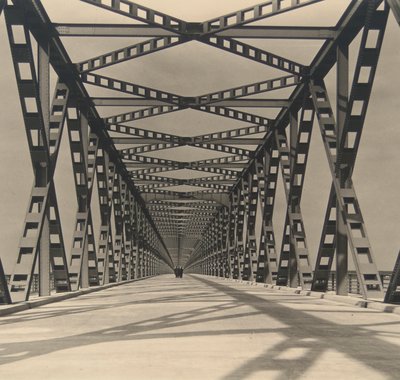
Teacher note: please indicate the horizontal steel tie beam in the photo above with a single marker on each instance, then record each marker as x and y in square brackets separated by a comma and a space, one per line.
[227, 141]
[138, 102]
[118, 30]
[280, 32]
[271, 103]
[111, 30]
[127, 102]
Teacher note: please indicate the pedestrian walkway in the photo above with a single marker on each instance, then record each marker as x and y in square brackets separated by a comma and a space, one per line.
[199, 328]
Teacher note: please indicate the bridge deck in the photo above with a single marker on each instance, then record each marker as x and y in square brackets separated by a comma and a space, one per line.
[198, 328]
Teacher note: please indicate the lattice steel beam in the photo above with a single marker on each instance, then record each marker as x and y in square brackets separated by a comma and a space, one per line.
[130, 52]
[255, 54]
[249, 89]
[142, 13]
[129, 88]
[252, 14]
[141, 114]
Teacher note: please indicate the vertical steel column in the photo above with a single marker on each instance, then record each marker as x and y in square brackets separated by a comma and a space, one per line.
[235, 248]
[342, 78]
[267, 266]
[240, 229]
[231, 236]
[139, 259]
[134, 224]
[42, 172]
[179, 250]
[118, 204]
[293, 275]
[83, 201]
[225, 246]
[128, 235]
[251, 253]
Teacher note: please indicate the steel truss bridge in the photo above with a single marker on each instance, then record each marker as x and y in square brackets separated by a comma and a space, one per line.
[214, 224]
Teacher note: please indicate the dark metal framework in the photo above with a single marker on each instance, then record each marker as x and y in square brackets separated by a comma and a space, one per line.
[229, 218]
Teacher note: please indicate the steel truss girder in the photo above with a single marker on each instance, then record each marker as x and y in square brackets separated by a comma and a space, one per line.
[205, 204]
[233, 136]
[83, 155]
[294, 257]
[360, 93]
[129, 152]
[160, 110]
[368, 275]
[209, 185]
[223, 161]
[44, 147]
[44, 32]
[174, 181]
[171, 141]
[337, 32]
[351, 24]
[221, 98]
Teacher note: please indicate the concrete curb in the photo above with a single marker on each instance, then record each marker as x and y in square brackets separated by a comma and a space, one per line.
[347, 300]
[15, 308]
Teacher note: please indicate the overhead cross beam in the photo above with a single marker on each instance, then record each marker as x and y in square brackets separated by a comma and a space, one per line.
[118, 30]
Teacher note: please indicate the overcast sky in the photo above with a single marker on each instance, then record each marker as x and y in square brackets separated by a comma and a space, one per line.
[195, 69]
